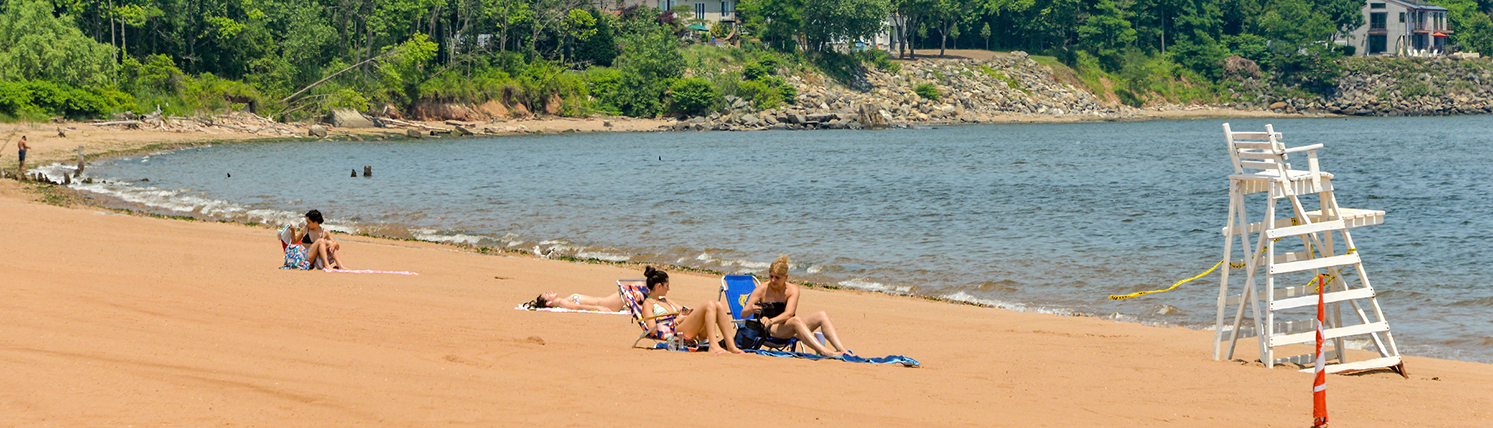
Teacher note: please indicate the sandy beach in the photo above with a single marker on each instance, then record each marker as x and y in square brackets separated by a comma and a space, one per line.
[121, 320]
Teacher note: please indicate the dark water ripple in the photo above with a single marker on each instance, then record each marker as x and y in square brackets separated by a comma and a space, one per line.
[1040, 217]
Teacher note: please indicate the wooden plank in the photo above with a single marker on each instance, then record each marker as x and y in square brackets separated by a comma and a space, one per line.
[1331, 333]
[1304, 229]
[1283, 327]
[1351, 218]
[1253, 145]
[1325, 262]
[1307, 359]
[1280, 293]
[1311, 298]
[1249, 135]
[1377, 363]
[1257, 165]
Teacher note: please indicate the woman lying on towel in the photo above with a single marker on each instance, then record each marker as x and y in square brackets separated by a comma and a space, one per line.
[577, 302]
[777, 304]
[709, 323]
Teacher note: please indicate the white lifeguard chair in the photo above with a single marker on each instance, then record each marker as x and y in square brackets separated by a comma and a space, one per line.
[1260, 167]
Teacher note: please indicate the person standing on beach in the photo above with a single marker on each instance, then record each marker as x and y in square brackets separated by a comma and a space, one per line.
[777, 304]
[21, 147]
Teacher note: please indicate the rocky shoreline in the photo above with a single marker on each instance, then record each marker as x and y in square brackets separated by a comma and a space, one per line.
[1002, 89]
[1387, 86]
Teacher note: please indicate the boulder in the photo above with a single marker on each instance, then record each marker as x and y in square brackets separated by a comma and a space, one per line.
[413, 133]
[1277, 105]
[461, 130]
[349, 118]
[317, 131]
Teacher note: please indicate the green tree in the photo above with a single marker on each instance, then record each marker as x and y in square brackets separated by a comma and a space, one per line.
[985, 34]
[1106, 33]
[842, 20]
[36, 45]
[777, 22]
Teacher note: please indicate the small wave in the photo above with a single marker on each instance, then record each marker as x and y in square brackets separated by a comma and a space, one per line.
[431, 235]
[1481, 302]
[861, 284]
[602, 255]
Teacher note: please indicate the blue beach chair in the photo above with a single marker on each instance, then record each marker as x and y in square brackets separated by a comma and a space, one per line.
[736, 289]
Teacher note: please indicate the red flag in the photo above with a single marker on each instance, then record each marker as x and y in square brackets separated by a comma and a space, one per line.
[1319, 385]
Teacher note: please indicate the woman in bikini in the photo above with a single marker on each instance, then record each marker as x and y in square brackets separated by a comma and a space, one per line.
[709, 323]
[578, 302]
[777, 305]
[321, 249]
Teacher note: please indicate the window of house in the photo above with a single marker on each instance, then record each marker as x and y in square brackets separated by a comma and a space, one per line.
[1376, 5]
[699, 10]
[1376, 21]
[1376, 43]
[666, 5]
[1402, 16]
[728, 10]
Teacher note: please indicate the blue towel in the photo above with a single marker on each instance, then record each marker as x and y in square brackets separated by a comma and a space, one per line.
[890, 359]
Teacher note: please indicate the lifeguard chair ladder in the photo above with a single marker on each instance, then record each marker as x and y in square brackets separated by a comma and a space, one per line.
[1260, 166]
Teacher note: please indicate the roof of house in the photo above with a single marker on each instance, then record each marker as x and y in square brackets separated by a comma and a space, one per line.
[1417, 4]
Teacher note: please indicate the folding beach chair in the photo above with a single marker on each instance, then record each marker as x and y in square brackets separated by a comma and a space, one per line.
[633, 293]
[736, 289]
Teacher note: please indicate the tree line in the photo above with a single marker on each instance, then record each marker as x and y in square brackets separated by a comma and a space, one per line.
[300, 57]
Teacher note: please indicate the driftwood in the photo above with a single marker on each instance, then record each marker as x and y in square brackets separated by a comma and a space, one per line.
[415, 125]
[119, 122]
[329, 77]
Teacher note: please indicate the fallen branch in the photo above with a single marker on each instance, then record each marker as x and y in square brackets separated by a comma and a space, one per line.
[118, 122]
[324, 79]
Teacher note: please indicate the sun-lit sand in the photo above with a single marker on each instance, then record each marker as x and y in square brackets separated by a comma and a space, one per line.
[119, 320]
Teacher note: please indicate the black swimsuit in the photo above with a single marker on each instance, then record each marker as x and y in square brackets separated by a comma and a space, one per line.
[773, 309]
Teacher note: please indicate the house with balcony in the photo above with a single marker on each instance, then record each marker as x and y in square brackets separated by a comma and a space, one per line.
[1401, 28]
[710, 11]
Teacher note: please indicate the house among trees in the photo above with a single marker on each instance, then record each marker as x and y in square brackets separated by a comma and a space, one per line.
[710, 11]
[1402, 28]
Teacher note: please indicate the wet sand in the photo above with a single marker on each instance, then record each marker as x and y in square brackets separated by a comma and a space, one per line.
[119, 320]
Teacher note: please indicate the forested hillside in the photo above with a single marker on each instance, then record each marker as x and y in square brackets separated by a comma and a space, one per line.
[298, 59]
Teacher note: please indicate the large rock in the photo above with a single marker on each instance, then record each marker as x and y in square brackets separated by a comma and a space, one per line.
[348, 118]
[317, 131]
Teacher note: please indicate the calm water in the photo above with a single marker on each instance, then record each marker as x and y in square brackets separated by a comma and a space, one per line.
[1030, 217]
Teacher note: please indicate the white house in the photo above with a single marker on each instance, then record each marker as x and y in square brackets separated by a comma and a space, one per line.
[1401, 27]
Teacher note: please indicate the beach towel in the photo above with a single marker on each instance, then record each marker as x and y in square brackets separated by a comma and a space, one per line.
[890, 359]
[526, 308]
[391, 272]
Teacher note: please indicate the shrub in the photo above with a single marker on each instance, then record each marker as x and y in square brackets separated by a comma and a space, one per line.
[1128, 98]
[755, 70]
[879, 59]
[38, 98]
[693, 95]
[927, 91]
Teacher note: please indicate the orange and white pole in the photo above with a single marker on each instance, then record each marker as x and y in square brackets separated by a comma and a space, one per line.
[1319, 385]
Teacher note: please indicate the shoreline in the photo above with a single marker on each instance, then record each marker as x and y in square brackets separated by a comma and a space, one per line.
[106, 142]
[166, 332]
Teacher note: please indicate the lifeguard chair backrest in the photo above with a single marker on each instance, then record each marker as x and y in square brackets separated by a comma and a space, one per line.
[1256, 150]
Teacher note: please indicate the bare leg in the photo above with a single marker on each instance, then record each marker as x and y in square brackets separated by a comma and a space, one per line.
[795, 327]
[723, 325]
[820, 321]
[315, 252]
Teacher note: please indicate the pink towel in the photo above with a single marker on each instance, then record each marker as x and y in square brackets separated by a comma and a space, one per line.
[395, 272]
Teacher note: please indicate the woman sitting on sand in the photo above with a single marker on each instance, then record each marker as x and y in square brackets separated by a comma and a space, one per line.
[708, 324]
[320, 247]
[777, 306]
[577, 302]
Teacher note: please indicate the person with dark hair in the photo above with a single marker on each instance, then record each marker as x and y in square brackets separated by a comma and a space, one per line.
[578, 302]
[708, 324]
[22, 147]
[321, 249]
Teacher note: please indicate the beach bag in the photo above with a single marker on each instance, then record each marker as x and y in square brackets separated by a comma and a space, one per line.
[295, 257]
[750, 335]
